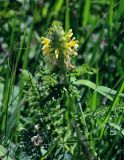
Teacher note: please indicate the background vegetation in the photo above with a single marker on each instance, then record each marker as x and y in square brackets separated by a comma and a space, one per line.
[93, 106]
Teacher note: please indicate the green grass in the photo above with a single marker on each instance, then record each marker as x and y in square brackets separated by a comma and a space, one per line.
[87, 121]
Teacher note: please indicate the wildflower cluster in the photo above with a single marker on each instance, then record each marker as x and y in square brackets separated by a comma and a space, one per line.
[59, 47]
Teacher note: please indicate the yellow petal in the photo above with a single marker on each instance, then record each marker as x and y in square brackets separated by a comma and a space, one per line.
[45, 41]
[46, 50]
[73, 43]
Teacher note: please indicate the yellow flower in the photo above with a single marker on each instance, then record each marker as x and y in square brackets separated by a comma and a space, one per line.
[45, 41]
[71, 45]
[46, 47]
[69, 34]
[59, 47]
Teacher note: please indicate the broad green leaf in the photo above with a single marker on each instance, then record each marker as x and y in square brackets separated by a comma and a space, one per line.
[92, 86]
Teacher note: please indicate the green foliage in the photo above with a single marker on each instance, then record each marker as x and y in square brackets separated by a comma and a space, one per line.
[79, 71]
[58, 111]
[59, 117]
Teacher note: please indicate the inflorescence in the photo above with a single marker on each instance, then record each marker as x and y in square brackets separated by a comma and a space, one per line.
[59, 47]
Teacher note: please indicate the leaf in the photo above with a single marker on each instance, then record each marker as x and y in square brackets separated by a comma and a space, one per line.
[105, 91]
[108, 90]
[4, 153]
[50, 149]
[117, 127]
[67, 17]
[93, 86]
[58, 6]
[121, 7]
[114, 102]
[80, 70]
[111, 15]
[86, 12]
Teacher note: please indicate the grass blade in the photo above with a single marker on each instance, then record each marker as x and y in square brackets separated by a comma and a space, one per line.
[86, 12]
[67, 17]
[121, 7]
[114, 102]
[50, 149]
